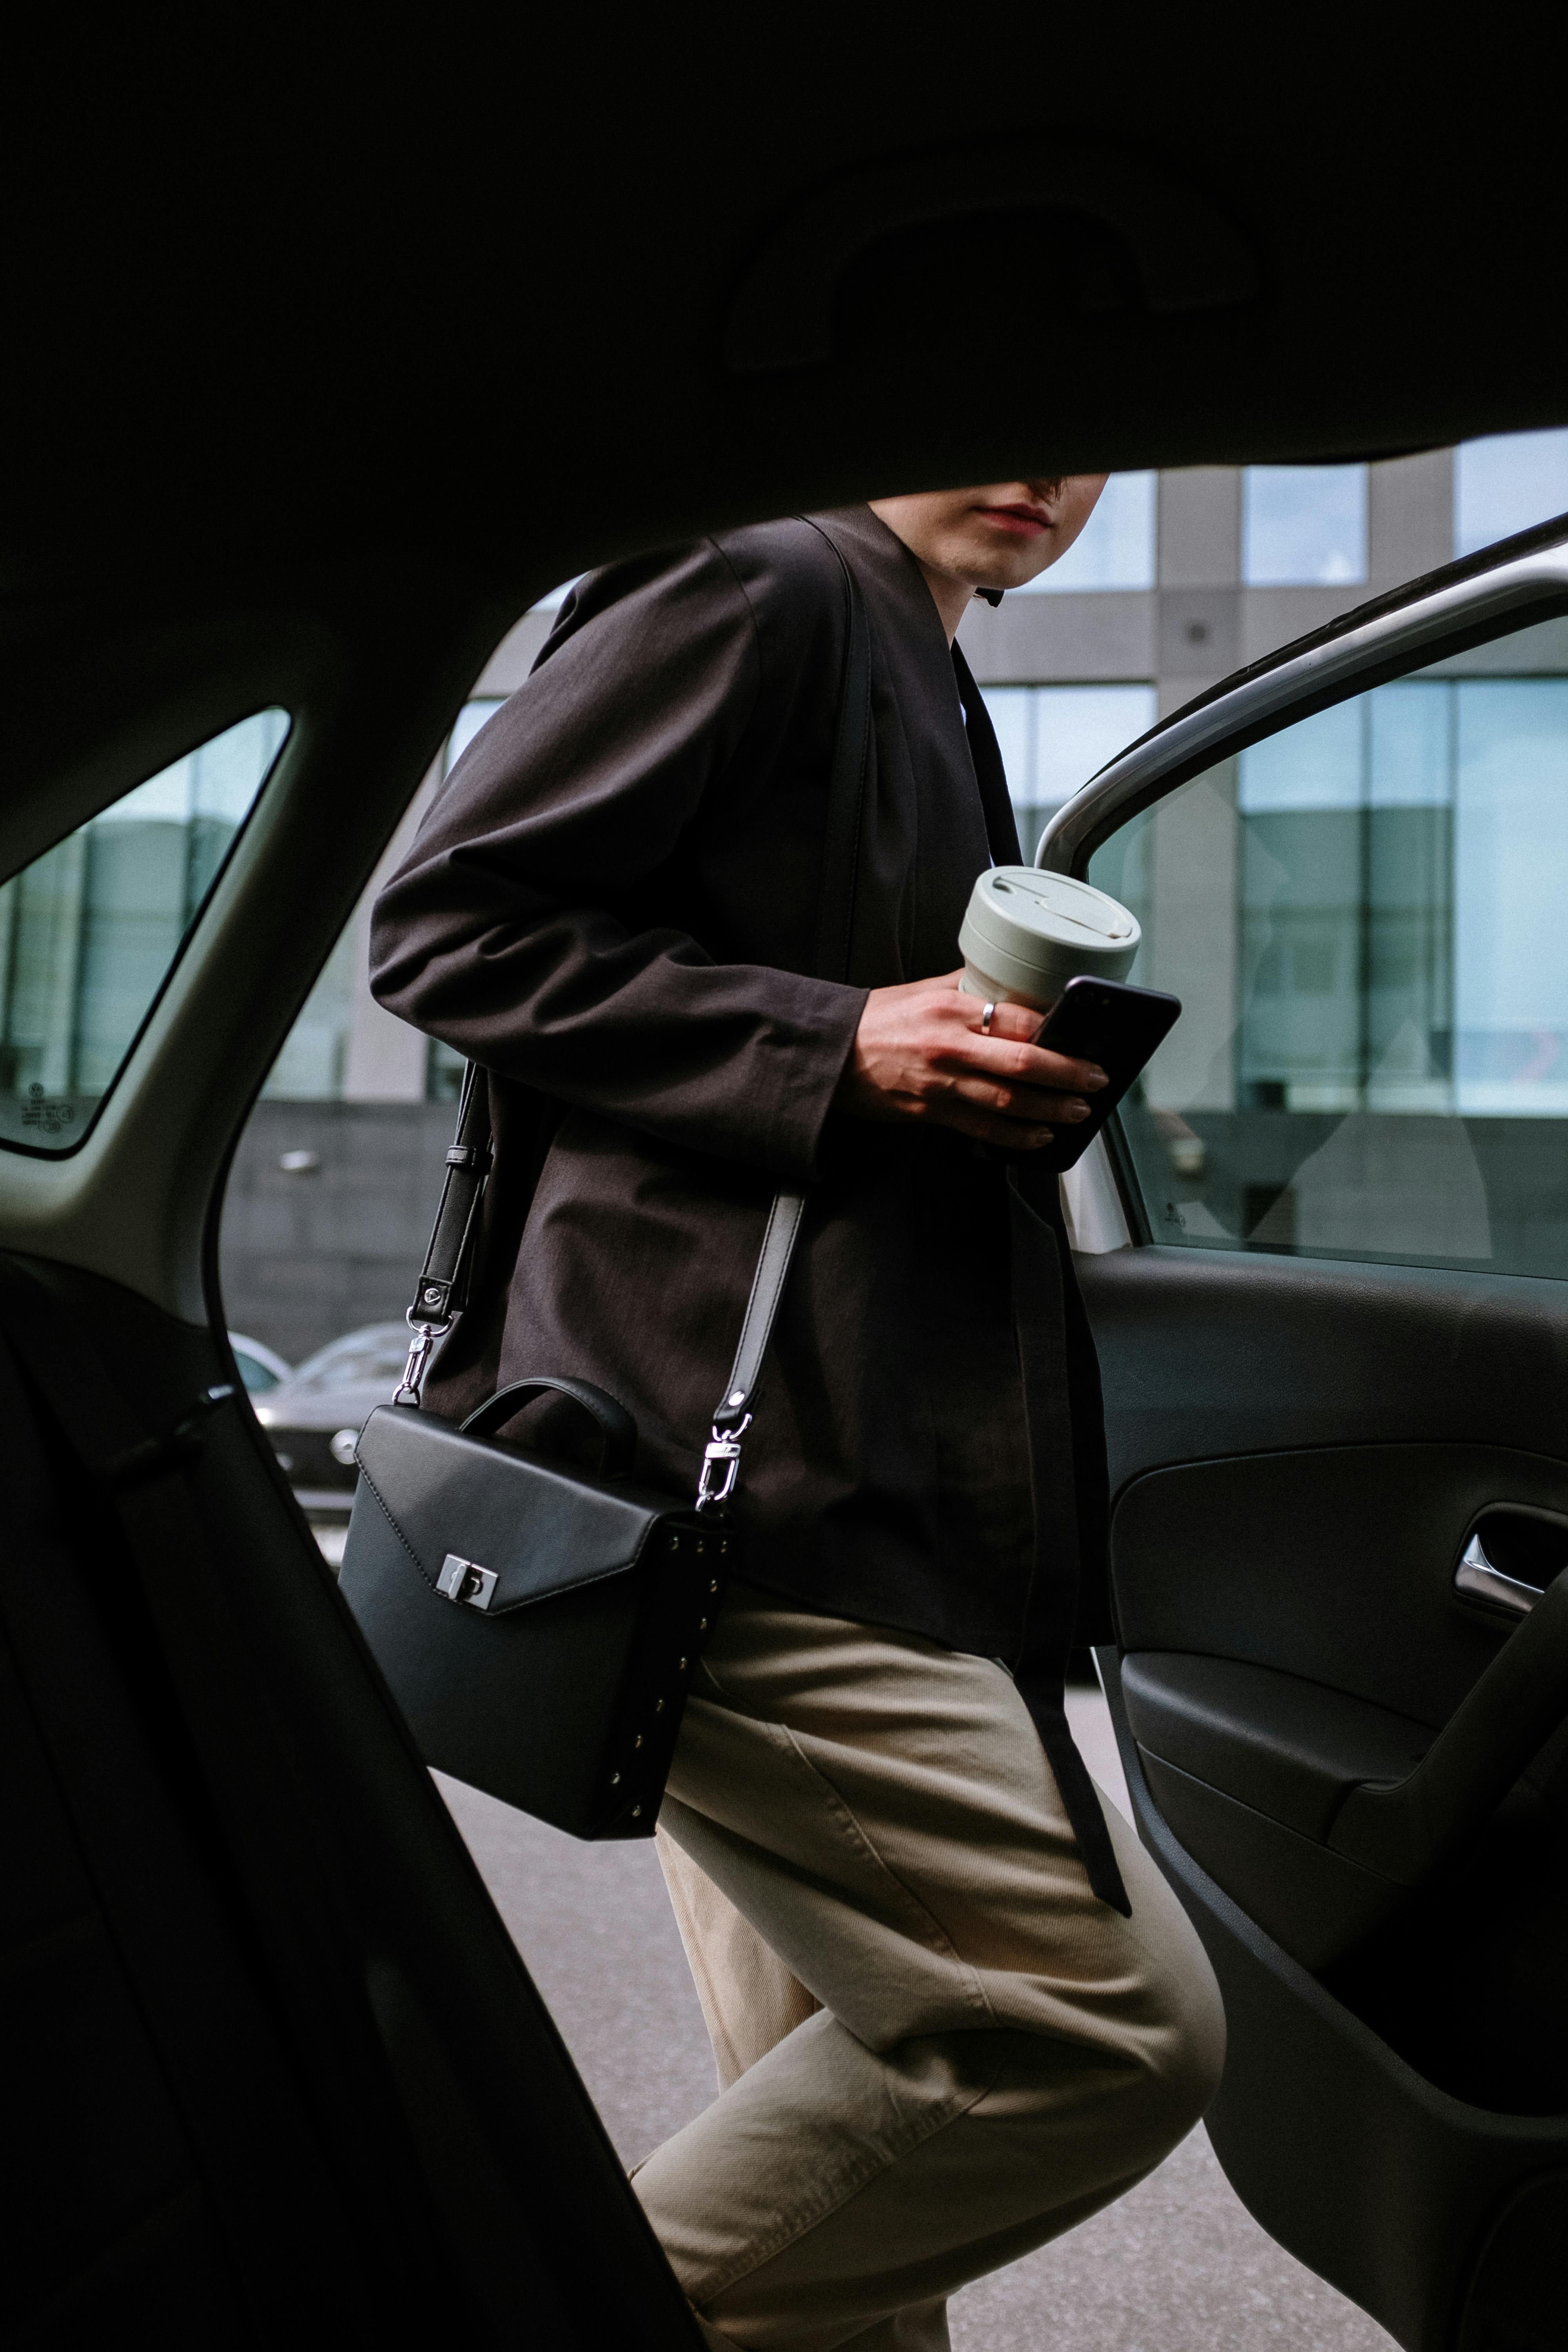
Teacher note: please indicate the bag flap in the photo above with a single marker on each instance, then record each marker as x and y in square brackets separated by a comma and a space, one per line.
[535, 1527]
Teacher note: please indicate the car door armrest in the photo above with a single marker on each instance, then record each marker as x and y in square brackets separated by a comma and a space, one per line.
[1404, 1831]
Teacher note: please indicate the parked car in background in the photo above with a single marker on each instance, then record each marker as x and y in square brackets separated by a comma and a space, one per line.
[314, 1415]
[261, 1367]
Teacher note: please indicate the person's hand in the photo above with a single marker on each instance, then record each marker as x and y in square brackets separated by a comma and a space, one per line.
[918, 1054]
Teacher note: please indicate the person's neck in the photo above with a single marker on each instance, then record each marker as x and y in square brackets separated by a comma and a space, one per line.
[953, 597]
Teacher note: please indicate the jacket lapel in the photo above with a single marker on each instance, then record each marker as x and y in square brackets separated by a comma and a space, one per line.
[1001, 826]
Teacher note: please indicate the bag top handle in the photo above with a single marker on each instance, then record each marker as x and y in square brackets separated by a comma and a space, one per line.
[618, 1430]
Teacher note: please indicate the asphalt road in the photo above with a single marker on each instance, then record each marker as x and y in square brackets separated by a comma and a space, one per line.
[1177, 2266]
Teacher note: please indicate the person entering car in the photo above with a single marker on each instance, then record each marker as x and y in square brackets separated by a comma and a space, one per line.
[954, 2008]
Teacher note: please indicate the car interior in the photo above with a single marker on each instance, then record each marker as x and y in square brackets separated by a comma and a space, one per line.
[313, 406]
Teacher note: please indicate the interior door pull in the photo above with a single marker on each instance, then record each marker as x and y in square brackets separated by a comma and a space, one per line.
[1477, 1580]
[1404, 1829]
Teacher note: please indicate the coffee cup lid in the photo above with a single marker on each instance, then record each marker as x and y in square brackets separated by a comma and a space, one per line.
[1053, 909]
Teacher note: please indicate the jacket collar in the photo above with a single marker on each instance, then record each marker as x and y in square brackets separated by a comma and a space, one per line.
[884, 563]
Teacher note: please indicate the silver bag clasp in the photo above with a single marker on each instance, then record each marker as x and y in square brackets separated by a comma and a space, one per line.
[720, 1466]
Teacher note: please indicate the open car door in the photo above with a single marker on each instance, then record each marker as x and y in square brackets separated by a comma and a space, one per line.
[1334, 1342]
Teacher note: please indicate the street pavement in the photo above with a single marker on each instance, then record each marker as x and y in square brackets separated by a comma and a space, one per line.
[1178, 2265]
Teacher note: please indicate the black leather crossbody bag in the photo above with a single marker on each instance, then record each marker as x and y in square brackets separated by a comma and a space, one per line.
[539, 1627]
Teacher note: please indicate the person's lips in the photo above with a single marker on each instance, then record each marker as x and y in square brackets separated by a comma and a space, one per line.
[1019, 522]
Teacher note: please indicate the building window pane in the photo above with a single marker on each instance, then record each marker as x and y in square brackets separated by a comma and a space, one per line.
[1116, 546]
[1303, 526]
[90, 931]
[1507, 483]
[1055, 737]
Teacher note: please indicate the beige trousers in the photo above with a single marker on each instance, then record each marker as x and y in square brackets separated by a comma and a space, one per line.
[936, 2048]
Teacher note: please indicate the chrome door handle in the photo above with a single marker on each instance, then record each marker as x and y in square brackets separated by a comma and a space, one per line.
[1477, 1580]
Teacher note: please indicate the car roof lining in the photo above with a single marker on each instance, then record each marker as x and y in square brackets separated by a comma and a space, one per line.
[268, 316]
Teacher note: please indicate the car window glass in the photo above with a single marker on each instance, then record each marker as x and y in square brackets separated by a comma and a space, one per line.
[1366, 917]
[90, 931]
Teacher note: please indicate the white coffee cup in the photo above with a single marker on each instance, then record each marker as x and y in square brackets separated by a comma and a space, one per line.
[1028, 932]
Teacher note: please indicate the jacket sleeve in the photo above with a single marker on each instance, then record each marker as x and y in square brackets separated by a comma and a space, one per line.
[529, 925]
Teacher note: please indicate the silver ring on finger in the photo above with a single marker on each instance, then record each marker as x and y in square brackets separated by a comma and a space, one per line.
[985, 1020]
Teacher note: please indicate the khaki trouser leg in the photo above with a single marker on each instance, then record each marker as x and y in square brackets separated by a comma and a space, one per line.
[750, 1999]
[938, 2049]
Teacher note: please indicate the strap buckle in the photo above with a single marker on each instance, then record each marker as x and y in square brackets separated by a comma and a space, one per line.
[425, 1338]
[721, 1468]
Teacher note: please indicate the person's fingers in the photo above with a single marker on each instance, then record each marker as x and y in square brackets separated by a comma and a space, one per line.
[1063, 1070]
[1012, 1024]
[984, 1127]
[1014, 1020]
[1030, 1104]
[919, 1053]
[1010, 1062]
[1020, 1022]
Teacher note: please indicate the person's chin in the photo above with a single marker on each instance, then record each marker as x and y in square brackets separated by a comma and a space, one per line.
[1010, 566]
[1000, 577]
[987, 565]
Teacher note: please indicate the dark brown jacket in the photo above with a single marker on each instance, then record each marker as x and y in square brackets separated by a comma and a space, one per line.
[611, 906]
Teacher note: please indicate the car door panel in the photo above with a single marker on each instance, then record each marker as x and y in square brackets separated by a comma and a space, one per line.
[1291, 1749]
[1342, 2148]
[1209, 1353]
[1345, 1735]
[1336, 1564]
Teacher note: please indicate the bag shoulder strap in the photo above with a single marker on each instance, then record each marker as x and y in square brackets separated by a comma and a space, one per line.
[440, 1295]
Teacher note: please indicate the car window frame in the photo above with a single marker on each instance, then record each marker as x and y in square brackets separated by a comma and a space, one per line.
[1487, 596]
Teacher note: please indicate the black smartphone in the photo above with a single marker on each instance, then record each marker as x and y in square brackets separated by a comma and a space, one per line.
[1106, 1021]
